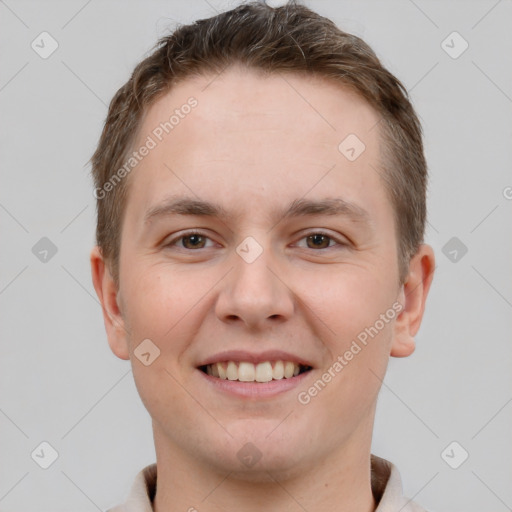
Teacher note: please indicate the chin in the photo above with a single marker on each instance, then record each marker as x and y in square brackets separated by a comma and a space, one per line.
[260, 459]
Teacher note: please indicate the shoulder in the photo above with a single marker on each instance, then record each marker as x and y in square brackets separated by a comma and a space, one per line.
[387, 488]
[141, 494]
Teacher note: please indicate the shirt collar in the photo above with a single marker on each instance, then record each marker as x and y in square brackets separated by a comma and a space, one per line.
[385, 481]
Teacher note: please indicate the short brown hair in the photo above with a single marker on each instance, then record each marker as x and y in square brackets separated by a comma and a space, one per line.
[290, 38]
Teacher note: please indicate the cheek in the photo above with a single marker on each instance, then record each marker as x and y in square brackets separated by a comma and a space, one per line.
[166, 399]
[347, 301]
[161, 303]
[159, 298]
[166, 306]
[353, 309]
[347, 389]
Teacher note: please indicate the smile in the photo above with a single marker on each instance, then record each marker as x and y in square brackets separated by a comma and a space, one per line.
[244, 371]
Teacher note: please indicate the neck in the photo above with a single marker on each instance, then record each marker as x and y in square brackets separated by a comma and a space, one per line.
[340, 482]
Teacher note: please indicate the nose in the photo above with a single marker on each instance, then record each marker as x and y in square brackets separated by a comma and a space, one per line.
[255, 293]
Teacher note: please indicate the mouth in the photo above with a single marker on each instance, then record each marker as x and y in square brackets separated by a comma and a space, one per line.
[262, 372]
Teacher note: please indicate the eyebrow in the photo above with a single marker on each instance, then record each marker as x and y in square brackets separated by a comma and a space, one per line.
[297, 208]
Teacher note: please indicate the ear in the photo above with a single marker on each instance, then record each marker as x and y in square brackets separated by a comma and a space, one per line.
[413, 295]
[108, 294]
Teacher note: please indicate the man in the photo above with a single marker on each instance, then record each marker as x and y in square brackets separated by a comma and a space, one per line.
[261, 208]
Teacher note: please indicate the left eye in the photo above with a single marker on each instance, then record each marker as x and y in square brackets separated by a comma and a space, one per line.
[318, 241]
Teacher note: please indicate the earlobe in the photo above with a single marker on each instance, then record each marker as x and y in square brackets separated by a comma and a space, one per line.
[107, 292]
[413, 296]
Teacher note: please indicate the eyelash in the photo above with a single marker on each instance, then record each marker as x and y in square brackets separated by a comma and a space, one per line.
[174, 241]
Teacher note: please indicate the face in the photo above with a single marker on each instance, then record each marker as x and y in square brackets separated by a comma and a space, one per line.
[253, 240]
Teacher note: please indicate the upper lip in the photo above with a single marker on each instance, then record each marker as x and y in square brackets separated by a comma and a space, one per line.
[255, 358]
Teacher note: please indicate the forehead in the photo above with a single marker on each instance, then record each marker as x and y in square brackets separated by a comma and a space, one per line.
[309, 108]
[270, 137]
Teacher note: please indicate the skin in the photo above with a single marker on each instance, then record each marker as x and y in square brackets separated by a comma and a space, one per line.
[254, 145]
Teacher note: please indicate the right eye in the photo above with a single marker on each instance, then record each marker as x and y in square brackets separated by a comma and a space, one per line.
[190, 240]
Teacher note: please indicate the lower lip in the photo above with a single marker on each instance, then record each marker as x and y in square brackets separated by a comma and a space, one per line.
[255, 389]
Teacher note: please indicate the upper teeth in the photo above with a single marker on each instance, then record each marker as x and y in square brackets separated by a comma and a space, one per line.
[249, 372]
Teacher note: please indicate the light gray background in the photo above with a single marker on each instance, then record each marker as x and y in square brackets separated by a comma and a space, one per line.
[59, 381]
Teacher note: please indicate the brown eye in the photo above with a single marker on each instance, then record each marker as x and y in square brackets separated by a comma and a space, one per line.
[318, 241]
[194, 241]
